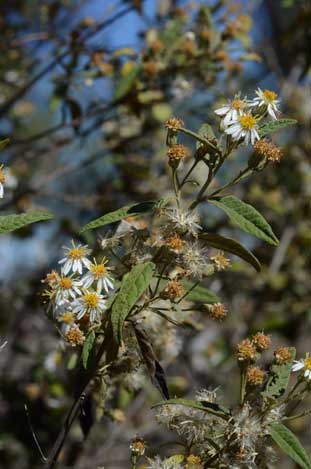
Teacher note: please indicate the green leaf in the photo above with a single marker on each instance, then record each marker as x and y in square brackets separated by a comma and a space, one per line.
[4, 143]
[172, 461]
[125, 83]
[246, 217]
[274, 126]
[117, 215]
[199, 294]
[232, 246]
[133, 285]
[290, 444]
[14, 222]
[206, 131]
[87, 348]
[208, 407]
[279, 378]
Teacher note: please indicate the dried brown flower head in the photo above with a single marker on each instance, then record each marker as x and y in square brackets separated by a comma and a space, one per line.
[255, 376]
[138, 446]
[262, 341]
[175, 243]
[174, 123]
[282, 355]
[151, 68]
[269, 150]
[173, 290]
[194, 462]
[176, 153]
[75, 336]
[246, 351]
[221, 262]
[217, 311]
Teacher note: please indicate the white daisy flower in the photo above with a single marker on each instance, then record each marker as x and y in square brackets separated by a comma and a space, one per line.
[66, 288]
[184, 221]
[67, 320]
[75, 259]
[268, 99]
[98, 273]
[2, 181]
[303, 364]
[245, 127]
[232, 110]
[92, 303]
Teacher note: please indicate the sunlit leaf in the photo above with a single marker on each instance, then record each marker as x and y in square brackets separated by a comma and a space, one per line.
[246, 217]
[290, 444]
[232, 246]
[120, 214]
[14, 222]
[275, 125]
[133, 285]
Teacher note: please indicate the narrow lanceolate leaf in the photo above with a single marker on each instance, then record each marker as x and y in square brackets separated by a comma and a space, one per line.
[274, 126]
[207, 407]
[4, 143]
[279, 378]
[120, 214]
[14, 222]
[155, 370]
[125, 83]
[87, 348]
[232, 246]
[199, 294]
[246, 217]
[133, 285]
[290, 444]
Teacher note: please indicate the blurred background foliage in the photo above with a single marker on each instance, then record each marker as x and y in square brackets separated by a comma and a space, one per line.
[85, 86]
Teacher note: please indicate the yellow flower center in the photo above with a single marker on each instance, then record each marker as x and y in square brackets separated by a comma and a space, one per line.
[91, 300]
[2, 177]
[237, 104]
[67, 318]
[65, 283]
[307, 363]
[76, 253]
[269, 95]
[99, 270]
[248, 121]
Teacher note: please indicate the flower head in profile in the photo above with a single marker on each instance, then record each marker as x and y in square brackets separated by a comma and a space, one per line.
[98, 273]
[267, 99]
[75, 258]
[232, 110]
[91, 303]
[67, 320]
[245, 128]
[303, 364]
[2, 181]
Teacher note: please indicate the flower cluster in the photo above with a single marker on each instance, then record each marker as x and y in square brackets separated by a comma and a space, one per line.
[77, 294]
[241, 117]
